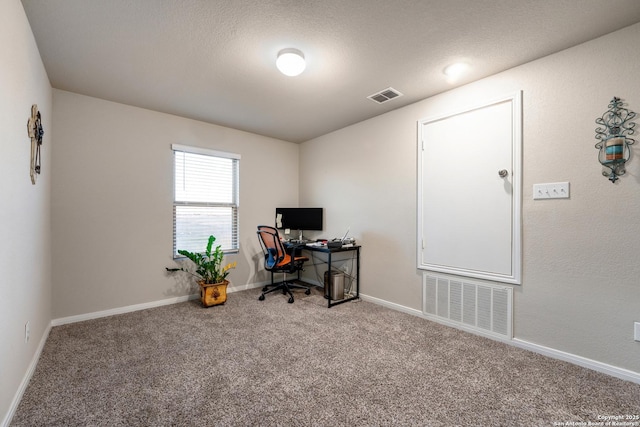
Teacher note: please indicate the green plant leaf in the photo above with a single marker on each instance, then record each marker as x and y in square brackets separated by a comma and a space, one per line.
[210, 245]
[208, 266]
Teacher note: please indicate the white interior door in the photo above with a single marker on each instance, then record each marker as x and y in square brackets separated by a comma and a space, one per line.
[469, 191]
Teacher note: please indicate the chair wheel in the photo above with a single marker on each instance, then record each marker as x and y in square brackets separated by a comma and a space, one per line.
[308, 292]
[265, 289]
[261, 297]
[290, 300]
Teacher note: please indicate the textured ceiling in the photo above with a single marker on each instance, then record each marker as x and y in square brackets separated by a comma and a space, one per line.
[214, 61]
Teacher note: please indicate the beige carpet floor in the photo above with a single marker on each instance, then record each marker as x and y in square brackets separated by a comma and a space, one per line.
[269, 363]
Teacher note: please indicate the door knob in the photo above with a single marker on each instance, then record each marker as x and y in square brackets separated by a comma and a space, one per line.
[503, 173]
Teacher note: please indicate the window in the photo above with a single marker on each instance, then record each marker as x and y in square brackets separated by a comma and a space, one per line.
[205, 200]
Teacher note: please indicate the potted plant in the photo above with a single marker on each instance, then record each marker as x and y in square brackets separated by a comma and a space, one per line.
[210, 273]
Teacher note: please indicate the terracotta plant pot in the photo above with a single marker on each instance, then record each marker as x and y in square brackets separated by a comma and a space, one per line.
[213, 293]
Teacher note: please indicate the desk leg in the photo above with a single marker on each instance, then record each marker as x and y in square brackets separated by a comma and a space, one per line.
[329, 282]
[358, 272]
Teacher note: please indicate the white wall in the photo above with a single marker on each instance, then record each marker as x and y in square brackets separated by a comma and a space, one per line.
[112, 201]
[580, 291]
[25, 232]
[103, 202]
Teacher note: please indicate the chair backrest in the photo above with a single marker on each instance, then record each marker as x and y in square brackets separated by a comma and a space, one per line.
[272, 246]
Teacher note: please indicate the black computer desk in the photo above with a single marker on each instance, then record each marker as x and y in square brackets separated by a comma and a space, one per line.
[296, 248]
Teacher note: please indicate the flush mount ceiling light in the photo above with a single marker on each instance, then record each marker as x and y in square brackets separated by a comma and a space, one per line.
[454, 71]
[290, 62]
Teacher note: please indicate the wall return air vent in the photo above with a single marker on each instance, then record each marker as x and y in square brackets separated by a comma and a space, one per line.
[478, 307]
[385, 95]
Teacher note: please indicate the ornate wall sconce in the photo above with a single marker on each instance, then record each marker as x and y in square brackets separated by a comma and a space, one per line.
[613, 140]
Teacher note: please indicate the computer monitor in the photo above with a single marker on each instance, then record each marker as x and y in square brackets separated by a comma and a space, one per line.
[299, 218]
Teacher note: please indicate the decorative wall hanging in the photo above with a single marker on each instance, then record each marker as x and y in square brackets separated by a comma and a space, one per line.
[35, 132]
[613, 139]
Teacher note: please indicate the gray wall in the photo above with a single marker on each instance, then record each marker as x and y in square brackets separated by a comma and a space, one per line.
[580, 292]
[25, 231]
[112, 201]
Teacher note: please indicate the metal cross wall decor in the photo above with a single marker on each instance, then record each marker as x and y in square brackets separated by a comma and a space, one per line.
[35, 132]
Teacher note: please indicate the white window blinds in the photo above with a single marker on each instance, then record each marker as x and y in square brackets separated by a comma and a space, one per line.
[205, 198]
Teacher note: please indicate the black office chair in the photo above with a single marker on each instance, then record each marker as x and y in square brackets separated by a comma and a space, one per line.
[277, 260]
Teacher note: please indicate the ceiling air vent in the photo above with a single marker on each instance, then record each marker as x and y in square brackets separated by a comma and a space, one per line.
[383, 96]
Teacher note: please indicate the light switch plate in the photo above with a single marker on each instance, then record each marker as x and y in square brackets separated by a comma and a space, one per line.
[636, 331]
[553, 190]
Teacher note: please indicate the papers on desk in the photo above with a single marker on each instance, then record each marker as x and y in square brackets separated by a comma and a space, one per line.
[316, 245]
[324, 245]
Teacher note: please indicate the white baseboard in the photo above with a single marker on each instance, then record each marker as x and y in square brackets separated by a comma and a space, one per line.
[143, 306]
[120, 310]
[25, 380]
[247, 286]
[614, 371]
[391, 305]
